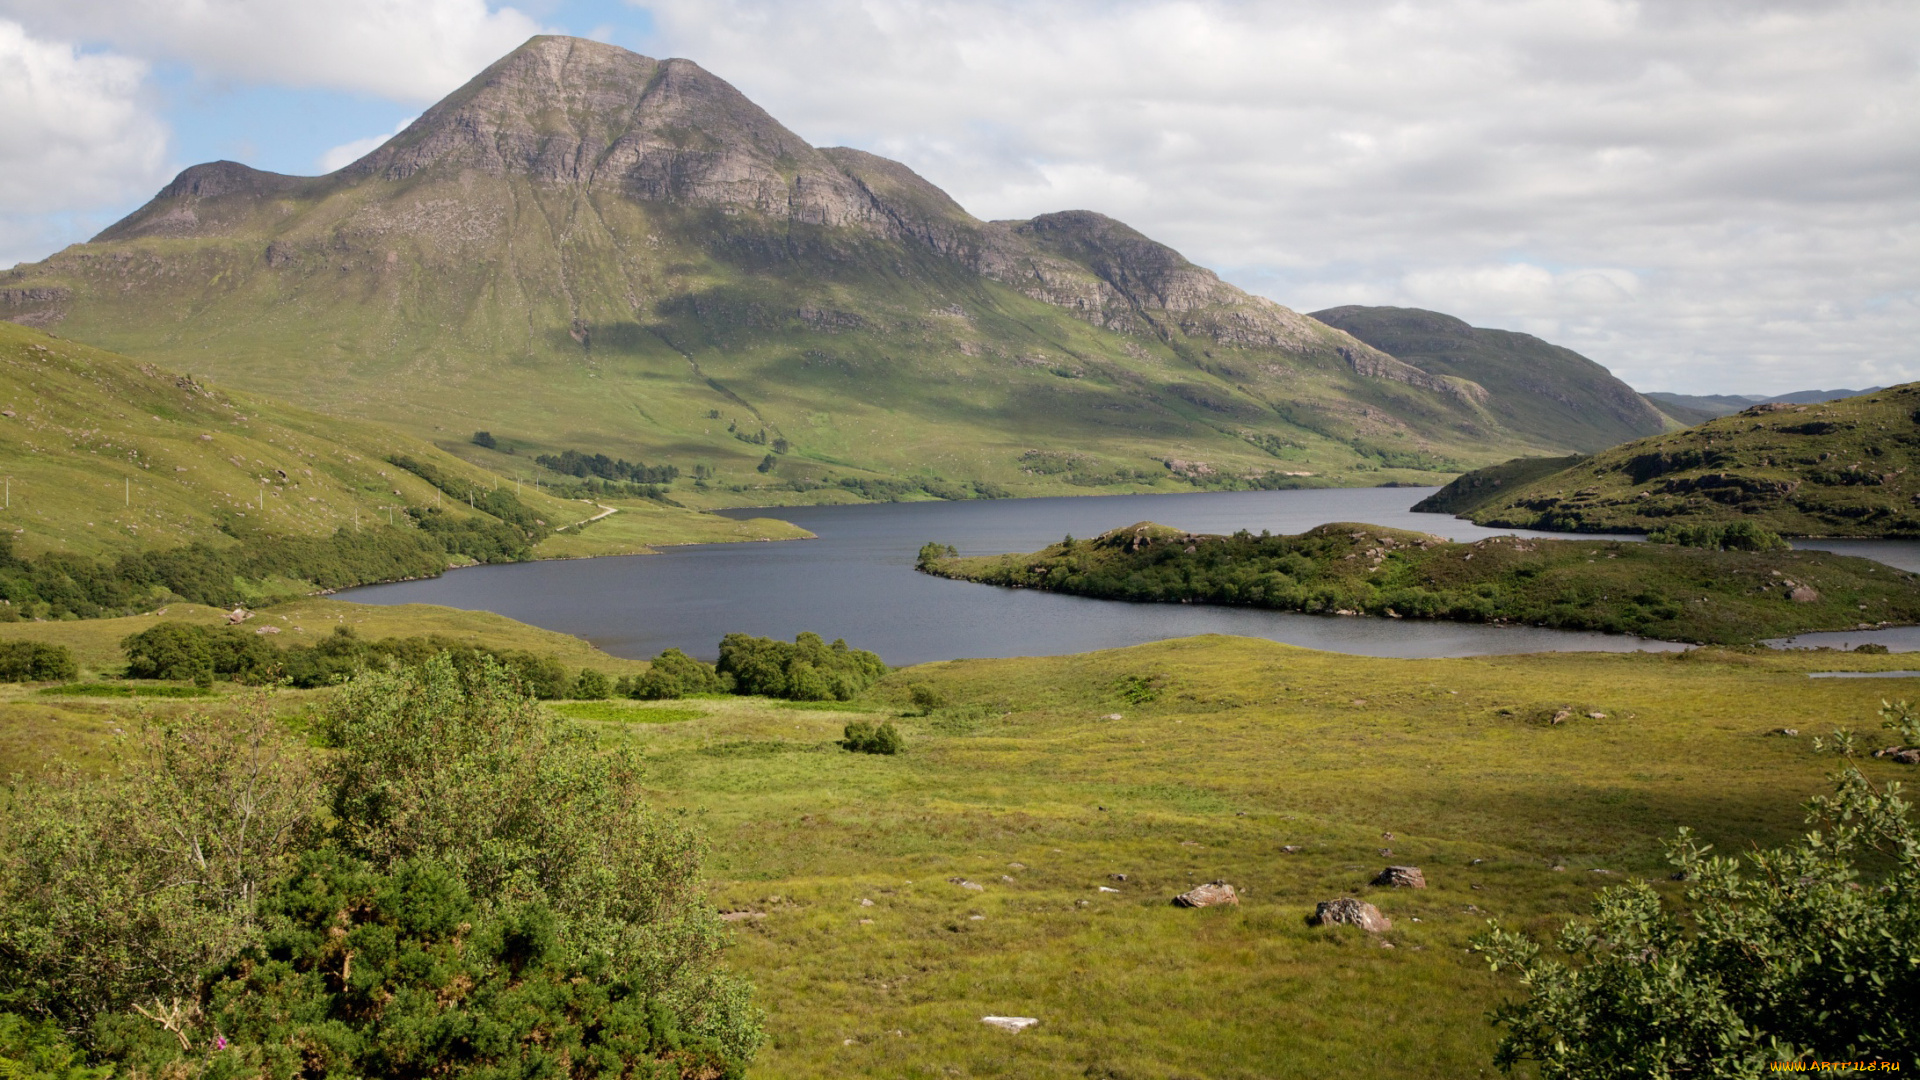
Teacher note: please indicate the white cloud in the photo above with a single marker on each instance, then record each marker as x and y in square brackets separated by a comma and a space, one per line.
[346, 154]
[406, 50]
[1701, 196]
[75, 133]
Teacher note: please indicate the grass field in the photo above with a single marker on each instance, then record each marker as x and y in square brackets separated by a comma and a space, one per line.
[1027, 784]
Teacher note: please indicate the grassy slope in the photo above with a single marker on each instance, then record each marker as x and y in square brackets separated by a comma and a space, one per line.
[1468, 490]
[1656, 590]
[1551, 393]
[105, 454]
[1844, 468]
[441, 334]
[96, 642]
[1251, 745]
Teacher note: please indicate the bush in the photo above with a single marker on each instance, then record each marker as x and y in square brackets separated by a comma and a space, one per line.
[1737, 536]
[34, 661]
[674, 674]
[1794, 961]
[31, 1050]
[925, 698]
[808, 669]
[862, 737]
[439, 985]
[486, 439]
[592, 686]
[932, 552]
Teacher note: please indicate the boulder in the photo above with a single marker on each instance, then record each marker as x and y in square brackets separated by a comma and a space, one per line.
[1402, 877]
[1804, 594]
[1347, 911]
[1213, 892]
[1015, 1024]
[970, 886]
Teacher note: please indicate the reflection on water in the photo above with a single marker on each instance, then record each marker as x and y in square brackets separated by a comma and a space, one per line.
[857, 581]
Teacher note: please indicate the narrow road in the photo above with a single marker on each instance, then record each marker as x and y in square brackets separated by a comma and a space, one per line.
[604, 511]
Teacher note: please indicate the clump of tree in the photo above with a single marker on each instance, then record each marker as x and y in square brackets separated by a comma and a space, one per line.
[497, 501]
[864, 737]
[1734, 536]
[36, 661]
[226, 903]
[483, 539]
[202, 654]
[1805, 952]
[486, 439]
[931, 552]
[805, 669]
[674, 674]
[575, 463]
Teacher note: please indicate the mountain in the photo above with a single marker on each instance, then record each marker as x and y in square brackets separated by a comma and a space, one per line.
[1839, 468]
[585, 248]
[1544, 391]
[1705, 407]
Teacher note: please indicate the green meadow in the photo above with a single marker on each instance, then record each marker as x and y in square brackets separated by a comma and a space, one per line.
[1041, 779]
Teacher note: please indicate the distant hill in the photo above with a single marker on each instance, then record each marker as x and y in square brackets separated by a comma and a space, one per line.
[1539, 389]
[1482, 486]
[1708, 406]
[587, 248]
[1839, 468]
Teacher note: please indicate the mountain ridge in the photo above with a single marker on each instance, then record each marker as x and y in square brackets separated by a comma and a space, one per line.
[584, 247]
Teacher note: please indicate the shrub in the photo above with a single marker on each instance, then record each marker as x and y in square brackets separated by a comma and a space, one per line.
[403, 973]
[931, 552]
[39, 1050]
[592, 686]
[808, 669]
[862, 737]
[1793, 961]
[925, 698]
[1737, 536]
[168, 650]
[34, 661]
[486, 439]
[674, 674]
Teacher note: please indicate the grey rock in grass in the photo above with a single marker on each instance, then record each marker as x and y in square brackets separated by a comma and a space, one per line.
[1347, 911]
[1013, 1024]
[971, 886]
[1402, 877]
[1208, 895]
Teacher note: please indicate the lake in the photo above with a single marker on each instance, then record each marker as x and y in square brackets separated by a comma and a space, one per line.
[857, 581]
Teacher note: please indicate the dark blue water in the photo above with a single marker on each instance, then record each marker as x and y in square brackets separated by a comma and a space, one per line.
[857, 581]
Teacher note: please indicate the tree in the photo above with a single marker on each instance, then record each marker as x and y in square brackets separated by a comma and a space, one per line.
[118, 892]
[592, 685]
[35, 661]
[808, 669]
[486, 439]
[1790, 958]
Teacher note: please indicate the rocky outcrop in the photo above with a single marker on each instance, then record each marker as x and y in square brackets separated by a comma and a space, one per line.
[1378, 365]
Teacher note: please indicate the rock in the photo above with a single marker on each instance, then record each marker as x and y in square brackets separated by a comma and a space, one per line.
[1909, 756]
[1013, 1024]
[972, 886]
[1289, 849]
[1596, 716]
[1561, 717]
[1005, 879]
[1104, 888]
[1347, 911]
[238, 615]
[1118, 877]
[1402, 877]
[1112, 716]
[1213, 892]
[1804, 594]
[864, 902]
[741, 916]
[1016, 866]
[1787, 731]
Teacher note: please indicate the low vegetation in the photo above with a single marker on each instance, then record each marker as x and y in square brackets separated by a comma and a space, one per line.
[1700, 593]
[1839, 468]
[804, 669]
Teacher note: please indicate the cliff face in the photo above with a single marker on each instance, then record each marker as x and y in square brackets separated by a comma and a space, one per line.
[605, 249]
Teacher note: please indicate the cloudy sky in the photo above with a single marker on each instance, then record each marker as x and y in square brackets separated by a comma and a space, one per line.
[1709, 196]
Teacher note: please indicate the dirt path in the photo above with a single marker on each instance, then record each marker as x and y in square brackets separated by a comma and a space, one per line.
[605, 510]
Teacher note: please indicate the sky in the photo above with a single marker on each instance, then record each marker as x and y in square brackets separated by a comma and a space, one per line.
[1706, 196]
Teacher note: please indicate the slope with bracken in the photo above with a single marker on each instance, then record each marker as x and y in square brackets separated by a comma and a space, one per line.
[587, 248]
[1839, 468]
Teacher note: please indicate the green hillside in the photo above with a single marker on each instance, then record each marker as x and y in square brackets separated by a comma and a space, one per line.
[589, 249]
[1842, 468]
[1468, 490]
[1653, 590]
[107, 458]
